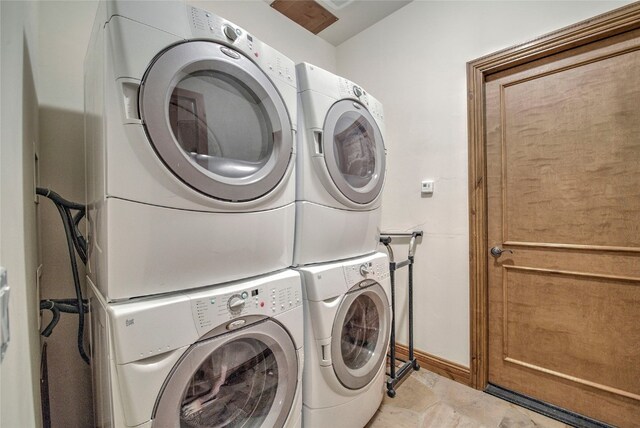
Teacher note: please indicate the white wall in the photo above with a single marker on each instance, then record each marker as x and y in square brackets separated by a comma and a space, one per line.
[64, 35]
[20, 370]
[414, 62]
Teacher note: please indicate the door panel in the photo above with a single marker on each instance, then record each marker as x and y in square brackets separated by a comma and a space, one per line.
[563, 193]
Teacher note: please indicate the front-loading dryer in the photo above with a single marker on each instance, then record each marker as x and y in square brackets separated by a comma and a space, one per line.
[347, 328]
[341, 161]
[189, 134]
[225, 356]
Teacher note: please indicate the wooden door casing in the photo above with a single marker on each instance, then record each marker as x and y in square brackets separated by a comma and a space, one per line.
[561, 146]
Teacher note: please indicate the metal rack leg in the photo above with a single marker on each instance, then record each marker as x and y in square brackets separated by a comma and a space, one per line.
[393, 327]
[414, 362]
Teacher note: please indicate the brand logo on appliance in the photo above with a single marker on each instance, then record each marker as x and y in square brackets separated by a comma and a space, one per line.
[129, 322]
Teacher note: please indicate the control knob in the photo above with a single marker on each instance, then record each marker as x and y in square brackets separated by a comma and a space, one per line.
[236, 303]
[230, 33]
[364, 270]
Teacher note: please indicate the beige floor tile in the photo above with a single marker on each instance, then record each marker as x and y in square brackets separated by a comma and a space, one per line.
[388, 416]
[537, 419]
[412, 395]
[428, 400]
[442, 415]
[477, 405]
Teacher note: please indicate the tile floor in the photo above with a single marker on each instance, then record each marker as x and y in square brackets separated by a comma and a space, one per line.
[427, 400]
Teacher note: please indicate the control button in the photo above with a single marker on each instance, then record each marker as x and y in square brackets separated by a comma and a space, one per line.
[208, 15]
[236, 303]
[357, 91]
[262, 304]
[244, 295]
[230, 33]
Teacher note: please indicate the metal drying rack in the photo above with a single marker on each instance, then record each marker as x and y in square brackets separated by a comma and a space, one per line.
[397, 374]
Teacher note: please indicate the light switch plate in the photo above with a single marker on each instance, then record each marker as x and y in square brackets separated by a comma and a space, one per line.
[427, 187]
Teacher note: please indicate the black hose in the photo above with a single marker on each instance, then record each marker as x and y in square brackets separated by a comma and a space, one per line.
[57, 306]
[59, 199]
[69, 224]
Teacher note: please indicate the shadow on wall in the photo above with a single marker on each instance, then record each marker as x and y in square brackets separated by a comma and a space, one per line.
[62, 169]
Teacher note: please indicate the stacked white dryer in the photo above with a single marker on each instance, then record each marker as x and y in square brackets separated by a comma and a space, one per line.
[190, 157]
[346, 285]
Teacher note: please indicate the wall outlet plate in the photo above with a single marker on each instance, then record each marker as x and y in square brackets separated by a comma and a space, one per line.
[427, 187]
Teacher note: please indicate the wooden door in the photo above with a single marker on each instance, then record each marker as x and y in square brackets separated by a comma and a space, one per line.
[563, 194]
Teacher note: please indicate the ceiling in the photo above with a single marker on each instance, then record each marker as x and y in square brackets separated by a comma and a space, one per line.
[355, 16]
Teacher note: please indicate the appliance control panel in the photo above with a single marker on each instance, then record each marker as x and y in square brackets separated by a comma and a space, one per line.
[348, 89]
[221, 304]
[206, 25]
[374, 267]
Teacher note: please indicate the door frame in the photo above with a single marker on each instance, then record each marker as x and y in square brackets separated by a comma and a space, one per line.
[602, 26]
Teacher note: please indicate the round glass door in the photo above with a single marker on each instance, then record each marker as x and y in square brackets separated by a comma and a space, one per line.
[354, 151]
[243, 381]
[360, 335]
[216, 121]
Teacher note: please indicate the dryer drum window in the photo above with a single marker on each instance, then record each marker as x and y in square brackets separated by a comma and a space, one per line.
[354, 154]
[217, 122]
[354, 143]
[204, 110]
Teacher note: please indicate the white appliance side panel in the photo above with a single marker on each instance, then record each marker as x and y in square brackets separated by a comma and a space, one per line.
[156, 250]
[100, 359]
[141, 382]
[151, 326]
[169, 16]
[295, 415]
[293, 321]
[324, 281]
[132, 45]
[321, 316]
[338, 411]
[326, 234]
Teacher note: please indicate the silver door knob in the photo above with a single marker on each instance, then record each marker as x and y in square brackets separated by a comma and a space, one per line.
[497, 251]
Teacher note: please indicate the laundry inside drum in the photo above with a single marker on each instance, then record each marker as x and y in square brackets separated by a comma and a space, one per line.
[234, 387]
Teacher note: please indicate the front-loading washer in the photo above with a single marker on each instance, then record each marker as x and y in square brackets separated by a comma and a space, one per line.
[347, 328]
[341, 162]
[189, 135]
[230, 355]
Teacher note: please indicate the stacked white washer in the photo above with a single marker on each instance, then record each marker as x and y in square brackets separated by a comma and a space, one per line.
[340, 176]
[190, 157]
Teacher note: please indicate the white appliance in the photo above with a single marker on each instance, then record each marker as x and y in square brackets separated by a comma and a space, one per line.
[340, 168]
[190, 150]
[347, 328]
[230, 355]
